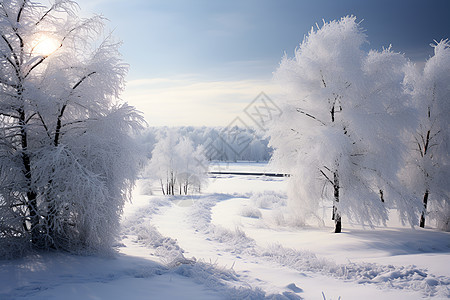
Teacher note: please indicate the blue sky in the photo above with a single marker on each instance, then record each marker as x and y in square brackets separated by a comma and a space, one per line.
[201, 62]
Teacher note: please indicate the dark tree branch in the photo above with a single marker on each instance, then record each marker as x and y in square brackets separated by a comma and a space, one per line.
[75, 122]
[325, 175]
[35, 65]
[83, 79]
[4, 10]
[328, 169]
[311, 116]
[63, 108]
[41, 60]
[11, 63]
[15, 65]
[20, 11]
[434, 135]
[9, 115]
[357, 154]
[323, 79]
[12, 52]
[45, 125]
[58, 125]
[427, 142]
[45, 14]
[29, 118]
[419, 147]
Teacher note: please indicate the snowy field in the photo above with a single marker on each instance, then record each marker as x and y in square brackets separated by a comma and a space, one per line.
[242, 166]
[238, 240]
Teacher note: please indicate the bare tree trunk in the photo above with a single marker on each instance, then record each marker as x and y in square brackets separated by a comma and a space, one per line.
[167, 184]
[162, 187]
[336, 214]
[172, 183]
[427, 192]
[424, 211]
[31, 195]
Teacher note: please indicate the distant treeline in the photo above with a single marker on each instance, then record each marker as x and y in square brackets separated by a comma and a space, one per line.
[219, 143]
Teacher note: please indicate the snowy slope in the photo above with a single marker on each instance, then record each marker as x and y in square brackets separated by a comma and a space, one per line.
[238, 241]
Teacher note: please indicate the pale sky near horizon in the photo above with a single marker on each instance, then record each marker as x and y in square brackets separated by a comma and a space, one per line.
[201, 62]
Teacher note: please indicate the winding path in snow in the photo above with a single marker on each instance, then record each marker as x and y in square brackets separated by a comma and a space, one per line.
[273, 271]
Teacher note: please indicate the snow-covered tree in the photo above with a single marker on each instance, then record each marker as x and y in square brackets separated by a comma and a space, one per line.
[178, 165]
[162, 163]
[244, 144]
[191, 166]
[67, 159]
[427, 172]
[342, 112]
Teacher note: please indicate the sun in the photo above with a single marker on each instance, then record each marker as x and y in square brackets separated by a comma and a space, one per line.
[45, 45]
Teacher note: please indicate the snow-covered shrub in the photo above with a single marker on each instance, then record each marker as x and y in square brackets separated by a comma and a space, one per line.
[67, 158]
[251, 212]
[145, 187]
[282, 213]
[278, 218]
[268, 199]
[439, 211]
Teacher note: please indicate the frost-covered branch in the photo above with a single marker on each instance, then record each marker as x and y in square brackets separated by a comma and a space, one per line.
[66, 5]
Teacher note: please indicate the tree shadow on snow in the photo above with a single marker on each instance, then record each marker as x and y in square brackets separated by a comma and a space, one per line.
[404, 241]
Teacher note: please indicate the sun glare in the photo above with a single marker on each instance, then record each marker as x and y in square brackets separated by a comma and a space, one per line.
[45, 46]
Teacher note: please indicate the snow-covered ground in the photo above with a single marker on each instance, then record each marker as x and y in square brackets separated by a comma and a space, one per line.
[238, 241]
[241, 166]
